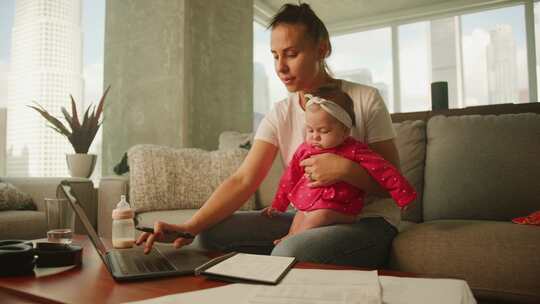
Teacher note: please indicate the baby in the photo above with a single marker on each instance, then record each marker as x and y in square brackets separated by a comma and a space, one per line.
[329, 118]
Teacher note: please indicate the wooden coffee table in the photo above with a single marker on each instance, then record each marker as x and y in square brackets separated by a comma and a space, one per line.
[92, 283]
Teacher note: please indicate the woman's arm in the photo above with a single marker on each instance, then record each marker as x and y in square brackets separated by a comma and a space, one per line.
[236, 189]
[226, 199]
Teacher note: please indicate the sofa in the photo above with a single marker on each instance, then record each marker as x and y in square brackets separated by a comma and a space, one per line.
[474, 170]
[33, 224]
[480, 170]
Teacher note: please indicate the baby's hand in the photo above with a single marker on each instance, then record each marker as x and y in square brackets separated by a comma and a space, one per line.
[269, 211]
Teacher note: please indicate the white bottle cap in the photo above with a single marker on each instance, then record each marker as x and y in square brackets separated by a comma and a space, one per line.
[123, 209]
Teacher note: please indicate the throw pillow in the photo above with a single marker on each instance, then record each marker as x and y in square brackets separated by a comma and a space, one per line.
[164, 178]
[12, 198]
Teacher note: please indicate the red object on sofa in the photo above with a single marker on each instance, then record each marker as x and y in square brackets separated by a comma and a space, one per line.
[532, 219]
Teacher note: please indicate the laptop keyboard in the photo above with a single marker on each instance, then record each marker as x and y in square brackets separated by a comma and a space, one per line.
[135, 261]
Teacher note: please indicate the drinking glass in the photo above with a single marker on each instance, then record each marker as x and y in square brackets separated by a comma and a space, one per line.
[60, 220]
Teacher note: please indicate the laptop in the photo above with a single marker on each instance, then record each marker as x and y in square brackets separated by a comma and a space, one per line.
[132, 264]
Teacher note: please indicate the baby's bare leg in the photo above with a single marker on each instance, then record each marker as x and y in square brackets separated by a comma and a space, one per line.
[299, 217]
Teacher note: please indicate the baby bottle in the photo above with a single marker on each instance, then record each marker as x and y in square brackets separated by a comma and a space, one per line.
[123, 226]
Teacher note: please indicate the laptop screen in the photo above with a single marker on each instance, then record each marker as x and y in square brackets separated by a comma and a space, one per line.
[79, 211]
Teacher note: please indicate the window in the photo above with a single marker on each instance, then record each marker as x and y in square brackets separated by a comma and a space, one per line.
[93, 23]
[51, 46]
[414, 66]
[492, 68]
[427, 53]
[482, 55]
[537, 40]
[495, 57]
[6, 23]
[365, 57]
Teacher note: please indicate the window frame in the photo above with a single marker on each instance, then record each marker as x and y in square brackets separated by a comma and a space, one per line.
[264, 13]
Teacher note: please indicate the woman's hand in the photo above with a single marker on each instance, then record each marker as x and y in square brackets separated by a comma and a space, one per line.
[270, 212]
[160, 229]
[325, 169]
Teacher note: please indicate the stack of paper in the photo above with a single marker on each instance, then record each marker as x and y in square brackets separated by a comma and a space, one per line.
[321, 287]
[299, 286]
[330, 287]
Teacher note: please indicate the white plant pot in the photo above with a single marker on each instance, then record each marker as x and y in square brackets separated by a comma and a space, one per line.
[81, 164]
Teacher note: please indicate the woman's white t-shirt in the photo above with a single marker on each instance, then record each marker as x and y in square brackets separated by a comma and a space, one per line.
[284, 127]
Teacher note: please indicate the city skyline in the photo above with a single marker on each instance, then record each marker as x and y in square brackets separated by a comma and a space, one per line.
[476, 37]
[93, 30]
[350, 53]
[470, 29]
[91, 21]
[373, 55]
[501, 60]
[46, 67]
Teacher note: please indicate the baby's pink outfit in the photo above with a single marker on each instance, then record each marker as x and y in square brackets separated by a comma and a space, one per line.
[341, 196]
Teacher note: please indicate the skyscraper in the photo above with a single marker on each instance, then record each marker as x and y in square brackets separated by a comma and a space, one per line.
[444, 56]
[502, 66]
[46, 66]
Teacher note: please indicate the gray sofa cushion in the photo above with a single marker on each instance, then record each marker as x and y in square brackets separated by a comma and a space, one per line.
[482, 167]
[494, 257]
[411, 145]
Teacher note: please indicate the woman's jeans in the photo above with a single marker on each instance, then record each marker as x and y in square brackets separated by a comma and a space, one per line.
[365, 243]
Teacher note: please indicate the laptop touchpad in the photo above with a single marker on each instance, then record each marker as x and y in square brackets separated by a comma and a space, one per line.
[183, 259]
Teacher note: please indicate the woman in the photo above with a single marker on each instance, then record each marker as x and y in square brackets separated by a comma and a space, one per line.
[300, 44]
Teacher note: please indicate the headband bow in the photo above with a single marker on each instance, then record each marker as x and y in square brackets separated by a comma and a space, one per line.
[331, 108]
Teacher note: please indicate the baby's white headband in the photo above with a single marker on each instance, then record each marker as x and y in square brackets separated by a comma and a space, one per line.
[331, 108]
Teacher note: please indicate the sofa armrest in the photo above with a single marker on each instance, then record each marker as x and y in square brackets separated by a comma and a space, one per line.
[110, 190]
[40, 188]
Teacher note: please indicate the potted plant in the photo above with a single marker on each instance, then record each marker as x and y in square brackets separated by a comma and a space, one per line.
[80, 134]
